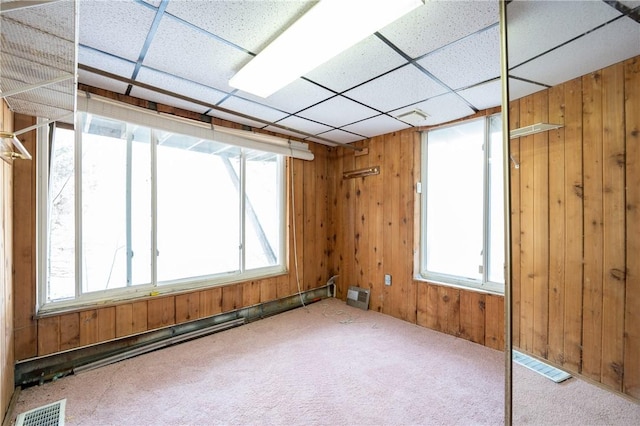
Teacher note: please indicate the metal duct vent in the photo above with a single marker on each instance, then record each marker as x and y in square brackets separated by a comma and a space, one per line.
[358, 297]
[47, 415]
[38, 57]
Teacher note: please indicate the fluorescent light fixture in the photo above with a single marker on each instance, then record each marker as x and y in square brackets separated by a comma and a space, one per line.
[327, 29]
[533, 129]
[6, 149]
[369, 171]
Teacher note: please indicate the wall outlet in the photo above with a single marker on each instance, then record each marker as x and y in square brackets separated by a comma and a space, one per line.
[387, 279]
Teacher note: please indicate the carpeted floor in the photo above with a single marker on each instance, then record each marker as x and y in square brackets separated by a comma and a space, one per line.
[326, 364]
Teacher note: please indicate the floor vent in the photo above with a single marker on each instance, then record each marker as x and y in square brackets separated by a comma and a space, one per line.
[47, 415]
[546, 370]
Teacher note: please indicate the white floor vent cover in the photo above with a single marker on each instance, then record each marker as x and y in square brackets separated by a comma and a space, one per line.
[546, 370]
[47, 415]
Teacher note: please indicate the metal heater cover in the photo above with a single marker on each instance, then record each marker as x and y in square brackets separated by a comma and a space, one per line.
[358, 297]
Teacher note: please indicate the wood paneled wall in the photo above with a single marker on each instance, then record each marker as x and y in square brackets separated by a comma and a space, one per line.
[375, 224]
[576, 227]
[6, 289]
[37, 336]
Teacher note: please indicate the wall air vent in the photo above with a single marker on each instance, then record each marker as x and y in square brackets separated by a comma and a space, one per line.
[358, 297]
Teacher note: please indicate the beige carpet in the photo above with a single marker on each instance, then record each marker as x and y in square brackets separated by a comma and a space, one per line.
[326, 364]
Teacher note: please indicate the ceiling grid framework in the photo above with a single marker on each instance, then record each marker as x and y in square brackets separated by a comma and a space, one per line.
[442, 58]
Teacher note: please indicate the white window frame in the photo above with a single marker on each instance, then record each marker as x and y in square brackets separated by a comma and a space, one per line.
[452, 280]
[132, 291]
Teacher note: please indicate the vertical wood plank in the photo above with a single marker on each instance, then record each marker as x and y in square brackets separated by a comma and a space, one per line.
[527, 230]
[48, 335]
[449, 310]
[298, 207]
[106, 323]
[574, 213]
[390, 198]
[187, 307]
[514, 149]
[472, 313]
[541, 228]
[348, 233]
[631, 385]
[421, 304]
[309, 229]
[320, 243]
[433, 317]
[211, 302]
[160, 312]
[557, 204]
[494, 322]
[69, 331]
[593, 224]
[375, 227]
[124, 320]
[88, 327]
[140, 317]
[403, 271]
[613, 260]
[232, 296]
[251, 291]
[268, 291]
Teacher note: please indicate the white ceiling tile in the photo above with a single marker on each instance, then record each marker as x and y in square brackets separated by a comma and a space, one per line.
[615, 42]
[364, 61]
[105, 62]
[115, 27]
[396, 89]
[379, 125]
[251, 25]
[439, 23]
[235, 118]
[95, 80]
[535, 27]
[180, 86]
[519, 89]
[339, 136]
[193, 55]
[293, 97]
[152, 96]
[489, 95]
[337, 112]
[440, 109]
[252, 109]
[304, 125]
[484, 96]
[478, 55]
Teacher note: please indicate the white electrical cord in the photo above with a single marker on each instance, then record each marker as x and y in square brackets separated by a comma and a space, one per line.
[293, 220]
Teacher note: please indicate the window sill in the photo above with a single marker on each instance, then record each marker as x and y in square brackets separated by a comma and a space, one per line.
[136, 295]
[419, 278]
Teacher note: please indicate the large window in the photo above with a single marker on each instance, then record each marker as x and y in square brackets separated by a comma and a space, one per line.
[130, 209]
[463, 219]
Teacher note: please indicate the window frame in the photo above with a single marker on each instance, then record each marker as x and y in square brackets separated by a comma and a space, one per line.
[130, 291]
[484, 284]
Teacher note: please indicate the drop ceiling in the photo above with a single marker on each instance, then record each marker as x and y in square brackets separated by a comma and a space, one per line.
[443, 58]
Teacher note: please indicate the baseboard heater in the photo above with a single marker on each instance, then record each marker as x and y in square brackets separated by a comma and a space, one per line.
[38, 370]
[159, 345]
